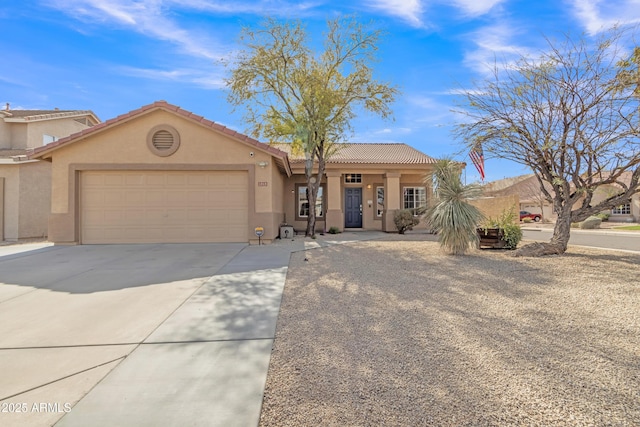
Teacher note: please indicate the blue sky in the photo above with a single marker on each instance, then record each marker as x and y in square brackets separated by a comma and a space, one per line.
[113, 56]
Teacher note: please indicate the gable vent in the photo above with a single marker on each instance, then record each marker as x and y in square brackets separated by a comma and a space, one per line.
[163, 140]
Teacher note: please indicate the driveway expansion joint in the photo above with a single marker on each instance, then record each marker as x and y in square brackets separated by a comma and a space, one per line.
[63, 378]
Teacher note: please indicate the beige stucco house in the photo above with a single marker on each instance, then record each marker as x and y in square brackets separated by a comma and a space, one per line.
[25, 185]
[163, 174]
[527, 188]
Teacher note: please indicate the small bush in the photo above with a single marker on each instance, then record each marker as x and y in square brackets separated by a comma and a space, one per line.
[527, 220]
[334, 230]
[512, 233]
[603, 216]
[404, 220]
[591, 223]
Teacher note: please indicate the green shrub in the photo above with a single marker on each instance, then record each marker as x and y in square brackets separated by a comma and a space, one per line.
[404, 220]
[527, 220]
[334, 230]
[603, 216]
[512, 233]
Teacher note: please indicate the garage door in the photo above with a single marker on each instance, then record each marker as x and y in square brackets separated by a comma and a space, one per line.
[163, 206]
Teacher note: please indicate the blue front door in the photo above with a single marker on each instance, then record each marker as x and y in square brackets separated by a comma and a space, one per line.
[353, 208]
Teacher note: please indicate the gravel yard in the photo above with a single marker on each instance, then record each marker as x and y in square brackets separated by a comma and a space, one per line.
[393, 332]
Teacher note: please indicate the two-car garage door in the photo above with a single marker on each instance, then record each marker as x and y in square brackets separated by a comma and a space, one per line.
[163, 206]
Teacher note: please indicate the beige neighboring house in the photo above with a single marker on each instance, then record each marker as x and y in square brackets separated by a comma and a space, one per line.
[527, 188]
[164, 174]
[25, 185]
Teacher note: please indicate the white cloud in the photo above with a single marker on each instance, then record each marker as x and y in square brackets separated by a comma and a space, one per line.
[597, 15]
[408, 10]
[262, 7]
[430, 111]
[412, 11]
[477, 7]
[196, 77]
[493, 45]
[143, 16]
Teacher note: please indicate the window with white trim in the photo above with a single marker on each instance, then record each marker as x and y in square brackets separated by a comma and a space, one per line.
[303, 202]
[48, 139]
[379, 201]
[415, 197]
[353, 178]
[622, 210]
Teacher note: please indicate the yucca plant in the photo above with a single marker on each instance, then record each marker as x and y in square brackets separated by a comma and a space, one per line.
[451, 216]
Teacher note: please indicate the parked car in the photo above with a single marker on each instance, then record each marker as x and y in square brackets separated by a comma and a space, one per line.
[526, 214]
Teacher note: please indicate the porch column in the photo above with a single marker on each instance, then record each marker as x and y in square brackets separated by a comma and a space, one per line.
[335, 216]
[392, 200]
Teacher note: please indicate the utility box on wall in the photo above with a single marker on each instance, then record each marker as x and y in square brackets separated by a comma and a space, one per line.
[286, 232]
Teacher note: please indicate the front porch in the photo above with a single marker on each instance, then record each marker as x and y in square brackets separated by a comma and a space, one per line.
[357, 200]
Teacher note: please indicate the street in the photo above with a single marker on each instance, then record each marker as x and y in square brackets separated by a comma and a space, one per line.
[595, 238]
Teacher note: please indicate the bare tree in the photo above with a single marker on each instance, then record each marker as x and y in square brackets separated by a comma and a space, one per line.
[293, 95]
[572, 116]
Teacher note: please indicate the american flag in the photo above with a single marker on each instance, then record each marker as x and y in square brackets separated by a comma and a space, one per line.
[477, 157]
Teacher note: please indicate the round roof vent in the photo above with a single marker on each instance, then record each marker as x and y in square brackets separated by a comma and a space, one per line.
[163, 140]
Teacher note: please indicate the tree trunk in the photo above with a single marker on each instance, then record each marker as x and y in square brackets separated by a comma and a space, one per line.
[312, 194]
[562, 230]
[559, 240]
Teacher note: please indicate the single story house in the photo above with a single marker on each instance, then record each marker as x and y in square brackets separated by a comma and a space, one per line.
[25, 185]
[163, 174]
[527, 188]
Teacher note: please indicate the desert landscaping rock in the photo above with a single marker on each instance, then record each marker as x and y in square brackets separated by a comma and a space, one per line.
[394, 332]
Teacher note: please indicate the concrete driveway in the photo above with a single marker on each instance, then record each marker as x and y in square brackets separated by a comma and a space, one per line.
[135, 335]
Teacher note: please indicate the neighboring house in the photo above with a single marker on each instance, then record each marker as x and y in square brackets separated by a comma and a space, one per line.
[163, 174]
[629, 212]
[25, 185]
[531, 198]
[527, 188]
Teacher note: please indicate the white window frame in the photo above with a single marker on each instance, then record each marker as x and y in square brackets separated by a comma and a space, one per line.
[415, 202]
[379, 205]
[301, 198]
[48, 139]
[622, 210]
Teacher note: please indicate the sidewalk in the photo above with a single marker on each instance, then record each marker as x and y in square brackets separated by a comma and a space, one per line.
[606, 228]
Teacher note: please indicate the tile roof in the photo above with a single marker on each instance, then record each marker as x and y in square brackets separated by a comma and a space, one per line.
[6, 153]
[40, 152]
[33, 115]
[369, 153]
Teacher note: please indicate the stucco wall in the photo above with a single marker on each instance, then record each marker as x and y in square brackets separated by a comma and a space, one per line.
[11, 175]
[58, 128]
[493, 207]
[606, 191]
[370, 178]
[35, 199]
[1, 208]
[125, 146]
[5, 134]
[18, 135]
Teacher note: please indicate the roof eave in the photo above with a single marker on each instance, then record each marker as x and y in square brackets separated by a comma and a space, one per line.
[44, 152]
[53, 116]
